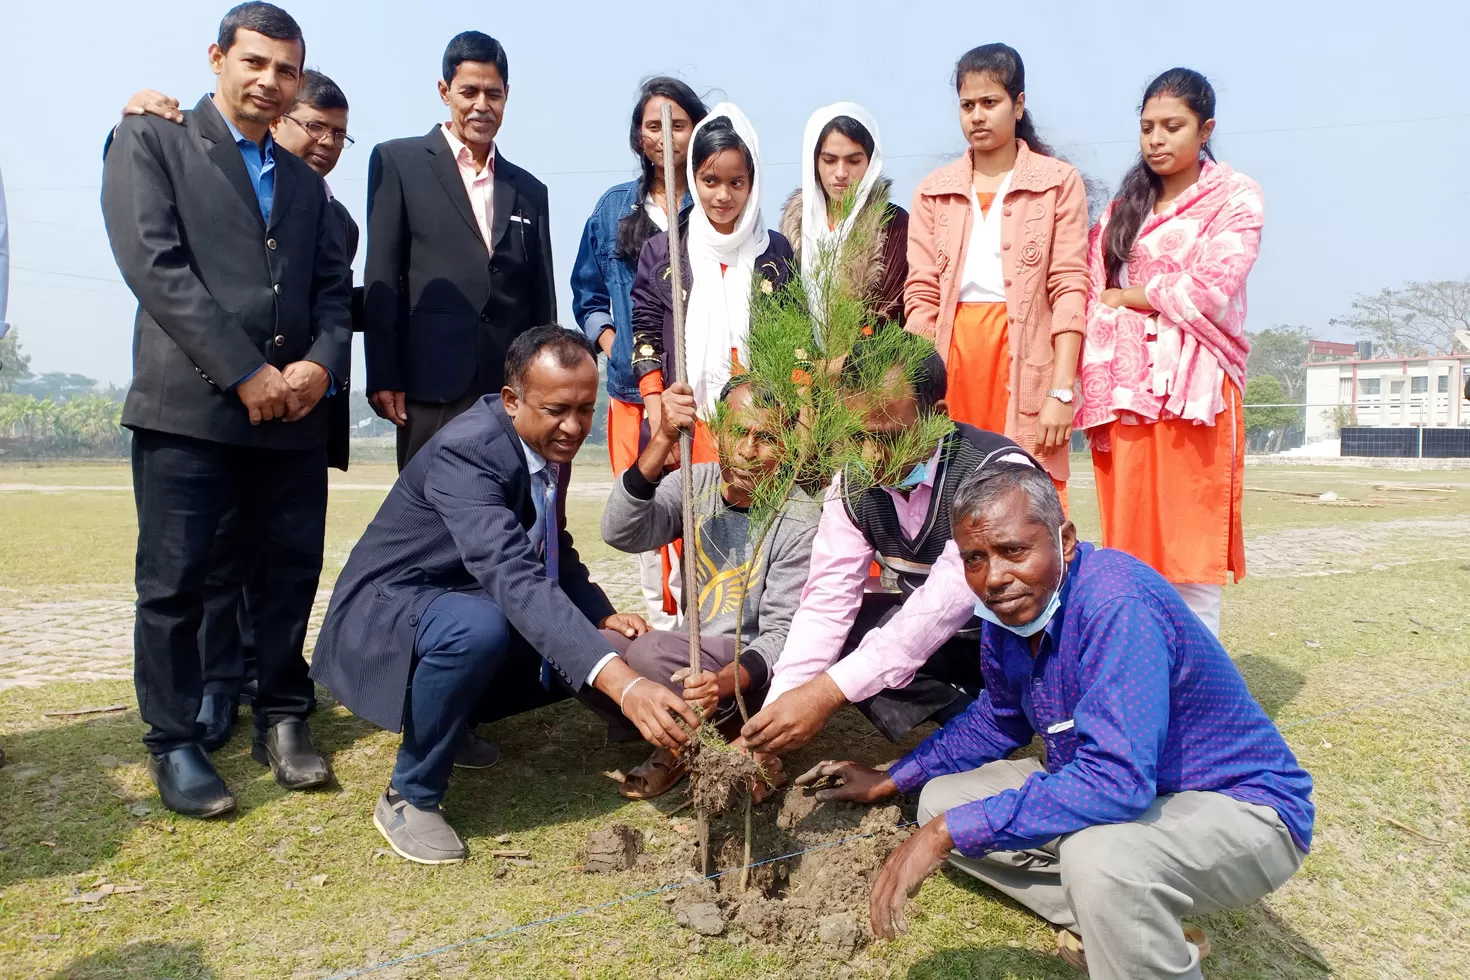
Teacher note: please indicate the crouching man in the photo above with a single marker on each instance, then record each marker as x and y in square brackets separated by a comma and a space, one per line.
[465, 602]
[1166, 791]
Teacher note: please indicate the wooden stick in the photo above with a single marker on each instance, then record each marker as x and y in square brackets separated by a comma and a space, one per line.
[74, 712]
[689, 587]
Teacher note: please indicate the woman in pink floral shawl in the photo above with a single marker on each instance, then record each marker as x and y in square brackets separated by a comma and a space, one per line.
[1163, 365]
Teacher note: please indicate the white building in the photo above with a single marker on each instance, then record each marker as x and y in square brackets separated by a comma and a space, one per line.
[1410, 391]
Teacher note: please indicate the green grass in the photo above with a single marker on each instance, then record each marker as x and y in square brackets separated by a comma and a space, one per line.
[236, 898]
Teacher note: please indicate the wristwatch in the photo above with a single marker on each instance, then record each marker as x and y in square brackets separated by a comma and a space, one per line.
[1063, 395]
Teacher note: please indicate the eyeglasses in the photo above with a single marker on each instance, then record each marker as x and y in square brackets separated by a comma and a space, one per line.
[319, 131]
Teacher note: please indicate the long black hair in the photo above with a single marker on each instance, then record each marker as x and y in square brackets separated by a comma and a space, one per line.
[1141, 186]
[849, 127]
[636, 227]
[1003, 63]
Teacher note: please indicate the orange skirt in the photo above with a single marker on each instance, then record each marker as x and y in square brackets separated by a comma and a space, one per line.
[979, 366]
[1170, 494]
[624, 422]
[979, 370]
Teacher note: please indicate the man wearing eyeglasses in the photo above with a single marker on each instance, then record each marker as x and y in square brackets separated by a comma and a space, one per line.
[314, 128]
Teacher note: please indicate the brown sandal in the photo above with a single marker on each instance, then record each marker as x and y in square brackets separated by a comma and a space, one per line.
[660, 773]
[1069, 946]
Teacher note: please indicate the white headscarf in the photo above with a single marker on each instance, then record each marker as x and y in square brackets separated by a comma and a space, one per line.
[819, 242]
[718, 316]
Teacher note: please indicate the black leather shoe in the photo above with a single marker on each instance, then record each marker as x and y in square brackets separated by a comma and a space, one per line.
[189, 784]
[287, 748]
[217, 717]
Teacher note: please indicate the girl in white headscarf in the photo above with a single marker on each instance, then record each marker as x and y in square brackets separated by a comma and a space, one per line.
[728, 252]
[843, 187]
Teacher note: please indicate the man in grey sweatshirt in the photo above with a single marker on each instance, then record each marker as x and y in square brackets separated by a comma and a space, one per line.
[741, 590]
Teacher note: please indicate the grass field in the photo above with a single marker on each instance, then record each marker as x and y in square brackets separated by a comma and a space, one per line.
[1347, 603]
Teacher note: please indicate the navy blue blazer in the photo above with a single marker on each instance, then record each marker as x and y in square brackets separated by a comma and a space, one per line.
[456, 520]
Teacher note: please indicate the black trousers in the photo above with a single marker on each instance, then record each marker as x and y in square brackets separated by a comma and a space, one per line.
[184, 488]
[227, 635]
[942, 688]
[427, 418]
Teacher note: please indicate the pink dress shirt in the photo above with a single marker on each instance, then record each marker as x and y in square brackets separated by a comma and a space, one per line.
[887, 657]
[480, 186]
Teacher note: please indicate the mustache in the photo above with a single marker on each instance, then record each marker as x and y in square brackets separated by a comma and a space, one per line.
[474, 116]
[991, 598]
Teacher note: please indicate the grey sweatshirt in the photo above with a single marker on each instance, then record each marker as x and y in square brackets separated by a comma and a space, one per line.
[641, 516]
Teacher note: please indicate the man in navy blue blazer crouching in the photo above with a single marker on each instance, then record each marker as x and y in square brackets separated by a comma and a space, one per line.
[465, 600]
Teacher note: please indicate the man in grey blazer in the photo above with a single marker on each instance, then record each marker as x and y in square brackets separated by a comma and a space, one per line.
[243, 326]
[465, 601]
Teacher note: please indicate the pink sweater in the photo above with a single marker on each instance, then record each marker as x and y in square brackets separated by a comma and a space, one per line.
[1192, 261]
[1044, 246]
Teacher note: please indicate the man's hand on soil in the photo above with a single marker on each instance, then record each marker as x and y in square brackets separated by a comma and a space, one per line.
[916, 859]
[848, 781]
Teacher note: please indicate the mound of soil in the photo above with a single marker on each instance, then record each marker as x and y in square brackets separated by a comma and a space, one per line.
[818, 900]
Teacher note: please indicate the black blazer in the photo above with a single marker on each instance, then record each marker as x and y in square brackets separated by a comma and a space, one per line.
[339, 434]
[440, 312]
[221, 291]
[456, 520]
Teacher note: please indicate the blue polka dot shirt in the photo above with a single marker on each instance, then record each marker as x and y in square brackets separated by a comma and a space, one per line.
[1134, 698]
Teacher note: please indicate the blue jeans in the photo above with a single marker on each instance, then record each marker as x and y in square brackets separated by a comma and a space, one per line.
[462, 642]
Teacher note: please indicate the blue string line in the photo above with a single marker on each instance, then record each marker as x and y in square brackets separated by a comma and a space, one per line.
[637, 896]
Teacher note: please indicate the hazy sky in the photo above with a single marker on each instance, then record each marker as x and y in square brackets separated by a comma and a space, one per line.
[1352, 116]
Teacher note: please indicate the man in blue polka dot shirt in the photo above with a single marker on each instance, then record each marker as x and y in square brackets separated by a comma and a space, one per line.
[1165, 792]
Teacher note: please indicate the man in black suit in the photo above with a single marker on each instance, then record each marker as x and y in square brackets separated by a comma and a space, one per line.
[465, 601]
[459, 254]
[243, 326]
[313, 128]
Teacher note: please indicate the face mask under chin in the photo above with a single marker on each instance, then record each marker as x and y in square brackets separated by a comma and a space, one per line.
[1027, 630]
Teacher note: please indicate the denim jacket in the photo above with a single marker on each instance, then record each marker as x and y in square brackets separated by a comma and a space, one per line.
[602, 285]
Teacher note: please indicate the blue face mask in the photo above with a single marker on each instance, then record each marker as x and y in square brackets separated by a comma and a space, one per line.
[1026, 630]
[916, 476]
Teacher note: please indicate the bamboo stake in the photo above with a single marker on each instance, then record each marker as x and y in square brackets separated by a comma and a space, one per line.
[690, 588]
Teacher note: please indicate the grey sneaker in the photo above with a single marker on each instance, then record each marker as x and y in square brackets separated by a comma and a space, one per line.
[422, 836]
[476, 753]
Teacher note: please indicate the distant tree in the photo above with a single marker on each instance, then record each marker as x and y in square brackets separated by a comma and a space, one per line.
[1280, 352]
[1415, 319]
[1265, 428]
[15, 367]
[59, 386]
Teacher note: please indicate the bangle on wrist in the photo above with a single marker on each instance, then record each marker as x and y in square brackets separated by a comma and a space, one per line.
[626, 688]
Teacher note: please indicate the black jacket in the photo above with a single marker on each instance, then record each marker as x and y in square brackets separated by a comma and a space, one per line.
[456, 520]
[440, 312]
[339, 446]
[220, 291]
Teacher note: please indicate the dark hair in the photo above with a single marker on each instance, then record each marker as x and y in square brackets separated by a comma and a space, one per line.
[1003, 64]
[319, 92]
[980, 490]
[262, 18]
[1140, 188]
[849, 127]
[475, 46]
[715, 138]
[636, 227]
[567, 346]
[930, 379]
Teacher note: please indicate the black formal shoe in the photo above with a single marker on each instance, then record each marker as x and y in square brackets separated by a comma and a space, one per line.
[287, 748]
[217, 716]
[249, 691]
[189, 784]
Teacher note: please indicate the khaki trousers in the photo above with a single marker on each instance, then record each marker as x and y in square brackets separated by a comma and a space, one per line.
[1124, 887]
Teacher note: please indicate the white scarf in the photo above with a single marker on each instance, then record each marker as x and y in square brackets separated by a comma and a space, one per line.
[717, 319]
[820, 244]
